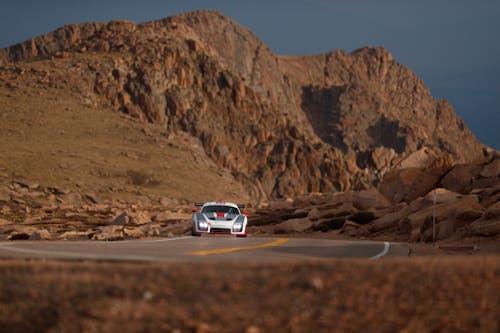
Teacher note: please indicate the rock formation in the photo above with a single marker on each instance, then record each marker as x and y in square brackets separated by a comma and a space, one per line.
[282, 125]
[404, 207]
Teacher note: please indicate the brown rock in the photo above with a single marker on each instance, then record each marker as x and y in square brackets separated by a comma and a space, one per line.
[454, 212]
[344, 210]
[111, 233]
[369, 200]
[166, 202]
[397, 218]
[42, 234]
[294, 225]
[140, 218]
[493, 212]
[488, 196]
[442, 195]
[28, 184]
[75, 235]
[122, 219]
[71, 199]
[362, 217]
[353, 229]
[388, 221]
[382, 157]
[487, 228]
[491, 169]
[489, 224]
[459, 178]
[152, 229]
[408, 184]
[421, 159]
[134, 233]
[4, 222]
[327, 224]
[481, 182]
[314, 214]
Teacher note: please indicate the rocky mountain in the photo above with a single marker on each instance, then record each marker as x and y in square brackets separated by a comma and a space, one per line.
[282, 125]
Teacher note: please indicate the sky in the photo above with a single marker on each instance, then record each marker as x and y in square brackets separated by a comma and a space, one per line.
[452, 45]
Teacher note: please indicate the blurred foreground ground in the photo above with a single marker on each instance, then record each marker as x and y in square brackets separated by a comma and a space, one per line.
[422, 294]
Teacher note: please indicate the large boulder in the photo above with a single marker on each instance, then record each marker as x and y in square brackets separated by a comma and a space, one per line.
[408, 184]
[456, 214]
[422, 158]
[441, 195]
[489, 223]
[399, 213]
[370, 199]
[459, 178]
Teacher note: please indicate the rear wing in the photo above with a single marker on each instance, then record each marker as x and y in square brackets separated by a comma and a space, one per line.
[200, 204]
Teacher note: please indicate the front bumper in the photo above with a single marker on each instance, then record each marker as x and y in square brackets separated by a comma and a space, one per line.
[220, 227]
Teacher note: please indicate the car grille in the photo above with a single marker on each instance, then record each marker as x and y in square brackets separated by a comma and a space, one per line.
[220, 230]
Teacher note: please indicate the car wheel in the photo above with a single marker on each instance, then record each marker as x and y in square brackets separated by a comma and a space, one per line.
[194, 233]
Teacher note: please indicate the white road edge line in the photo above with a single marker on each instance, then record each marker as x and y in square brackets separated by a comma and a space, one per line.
[78, 255]
[95, 256]
[383, 253]
[153, 240]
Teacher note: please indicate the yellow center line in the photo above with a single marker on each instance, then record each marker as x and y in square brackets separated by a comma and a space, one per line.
[243, 248]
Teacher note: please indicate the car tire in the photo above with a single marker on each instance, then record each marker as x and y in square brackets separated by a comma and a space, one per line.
[194, 233]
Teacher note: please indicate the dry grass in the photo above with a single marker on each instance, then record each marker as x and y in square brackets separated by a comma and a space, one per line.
[53, 132]
[459, 294]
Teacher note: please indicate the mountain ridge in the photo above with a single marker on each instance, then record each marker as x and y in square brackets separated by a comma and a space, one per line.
[283, 125]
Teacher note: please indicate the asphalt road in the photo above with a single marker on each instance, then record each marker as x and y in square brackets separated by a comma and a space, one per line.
[200, 249]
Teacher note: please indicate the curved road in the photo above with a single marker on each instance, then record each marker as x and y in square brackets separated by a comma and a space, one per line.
[207, 248]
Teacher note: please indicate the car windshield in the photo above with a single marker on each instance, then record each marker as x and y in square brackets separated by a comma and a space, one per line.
[220, 209]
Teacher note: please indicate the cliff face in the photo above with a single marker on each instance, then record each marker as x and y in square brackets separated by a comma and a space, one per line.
[282, 125]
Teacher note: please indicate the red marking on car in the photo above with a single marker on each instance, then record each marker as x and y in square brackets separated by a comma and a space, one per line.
[220, 214]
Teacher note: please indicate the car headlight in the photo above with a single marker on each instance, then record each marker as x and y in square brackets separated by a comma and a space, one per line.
[238, 224]
[202, 223]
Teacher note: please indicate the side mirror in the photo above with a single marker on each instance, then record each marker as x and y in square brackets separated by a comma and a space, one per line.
[245, 213]
[195, 210]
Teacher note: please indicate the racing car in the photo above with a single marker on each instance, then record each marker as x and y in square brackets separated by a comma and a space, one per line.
[219, 218]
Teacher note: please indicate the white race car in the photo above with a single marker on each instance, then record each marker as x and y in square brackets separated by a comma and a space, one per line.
[219, 218]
